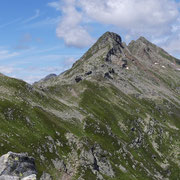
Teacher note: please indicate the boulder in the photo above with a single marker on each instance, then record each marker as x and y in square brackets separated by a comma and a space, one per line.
[14, 166]
[124, 64]
[111, 71]
[6, 177]
[88, 73]
[107, 75]
[31, 177]
[46, 176]
[78, 79]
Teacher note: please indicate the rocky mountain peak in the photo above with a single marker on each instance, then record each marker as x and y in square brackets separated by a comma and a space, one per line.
[144, 42]
[108, 52]
[109, 58]
[110, 36]
[109, 39]
[140, 43]
[108, 44]
[142, 39]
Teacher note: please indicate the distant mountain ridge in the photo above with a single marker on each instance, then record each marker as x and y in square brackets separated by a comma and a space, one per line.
[50, 76]
[113, 115]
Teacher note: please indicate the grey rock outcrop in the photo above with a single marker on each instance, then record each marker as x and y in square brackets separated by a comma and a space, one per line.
[96, 159]
[14, 166]
[6, 177]
[46, 176]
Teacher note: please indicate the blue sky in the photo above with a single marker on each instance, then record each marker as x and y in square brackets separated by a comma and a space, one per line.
[45, 36]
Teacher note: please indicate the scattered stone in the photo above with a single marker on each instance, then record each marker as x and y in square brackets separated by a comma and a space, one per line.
[88, 73]
[107, 75]
[154, 156]
[31, 177]
[6, 177]
[122, 168]
[111, 71]
[78, 79]
[124, 64]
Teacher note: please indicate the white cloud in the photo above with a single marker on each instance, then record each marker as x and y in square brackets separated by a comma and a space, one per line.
[45, 22]
[70, 28]
[32, 79]
[176, 26]
[51, 69]
[6, 70]
[36, 15]
[172, 45]
[42, 72]
[55, 5]
[135, 17]
[69, 61]
[5, 54]
[132, 15]
[21, 47]
[9, 23]
[47, 50]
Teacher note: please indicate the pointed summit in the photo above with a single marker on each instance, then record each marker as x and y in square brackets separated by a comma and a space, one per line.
[140, 42]
[111, 59]
[145, 41]
[107, 53]
[108, 41]
[142, 45]
[110, 36]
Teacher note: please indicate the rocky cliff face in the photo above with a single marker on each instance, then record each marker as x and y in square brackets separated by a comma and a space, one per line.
[113, 115]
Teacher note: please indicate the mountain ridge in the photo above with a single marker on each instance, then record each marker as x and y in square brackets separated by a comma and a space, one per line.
[113, 115]
[115, 56]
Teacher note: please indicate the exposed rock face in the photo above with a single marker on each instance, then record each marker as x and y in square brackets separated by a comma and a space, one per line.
[46, 176]
[97, 160]
[17, 166]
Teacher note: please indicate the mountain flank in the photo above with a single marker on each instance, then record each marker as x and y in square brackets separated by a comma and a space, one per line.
[113, 115]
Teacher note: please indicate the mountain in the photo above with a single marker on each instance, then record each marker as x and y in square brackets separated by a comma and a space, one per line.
[48, 77]
[113, 115]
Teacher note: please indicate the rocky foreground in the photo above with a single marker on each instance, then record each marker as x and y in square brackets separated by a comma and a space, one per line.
[14, 166]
